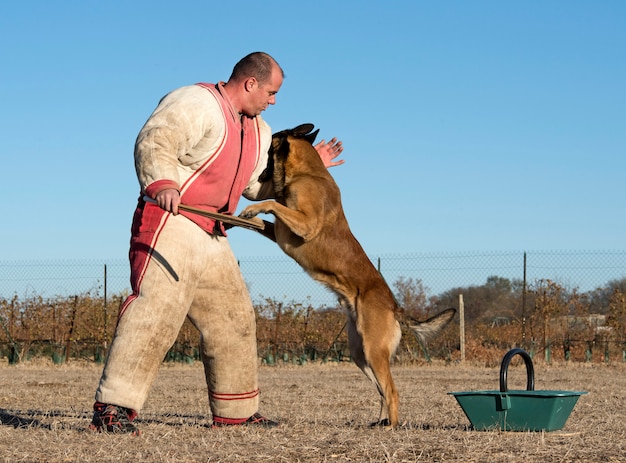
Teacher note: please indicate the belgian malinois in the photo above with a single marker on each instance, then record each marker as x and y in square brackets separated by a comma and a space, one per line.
[311, 228]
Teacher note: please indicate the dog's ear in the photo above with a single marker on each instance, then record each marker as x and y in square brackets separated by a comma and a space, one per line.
[311, 136]
[302, 131]
[305, 131]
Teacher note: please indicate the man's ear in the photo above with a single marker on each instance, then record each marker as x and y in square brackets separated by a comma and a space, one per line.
[250, 83]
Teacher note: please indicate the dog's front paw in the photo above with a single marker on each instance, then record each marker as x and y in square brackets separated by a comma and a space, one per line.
[249, 212]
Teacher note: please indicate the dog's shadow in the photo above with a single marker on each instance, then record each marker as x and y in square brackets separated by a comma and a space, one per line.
[414, 426]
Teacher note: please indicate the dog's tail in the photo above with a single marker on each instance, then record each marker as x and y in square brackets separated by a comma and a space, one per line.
[430, 328]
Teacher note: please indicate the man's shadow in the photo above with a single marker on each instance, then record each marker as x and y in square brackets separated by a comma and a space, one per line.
[24, 419]
[13, 418]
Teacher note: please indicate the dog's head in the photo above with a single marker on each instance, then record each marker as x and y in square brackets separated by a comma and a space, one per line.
[280, 147]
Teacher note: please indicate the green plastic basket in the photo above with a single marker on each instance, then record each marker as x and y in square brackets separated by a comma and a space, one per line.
[515, 410]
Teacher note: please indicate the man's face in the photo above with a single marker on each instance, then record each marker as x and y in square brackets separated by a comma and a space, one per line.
[260, 96]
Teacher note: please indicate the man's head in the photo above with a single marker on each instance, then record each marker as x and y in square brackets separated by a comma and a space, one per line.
[254, 83]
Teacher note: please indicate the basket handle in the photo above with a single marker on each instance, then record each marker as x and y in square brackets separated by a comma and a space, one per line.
[530, 371]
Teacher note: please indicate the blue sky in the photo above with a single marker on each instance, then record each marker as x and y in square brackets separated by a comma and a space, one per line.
[468, 126]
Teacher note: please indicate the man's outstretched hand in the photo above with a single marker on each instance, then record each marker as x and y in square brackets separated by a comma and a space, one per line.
[329, 151]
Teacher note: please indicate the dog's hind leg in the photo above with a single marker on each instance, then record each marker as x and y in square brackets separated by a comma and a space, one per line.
[355, 342]
[378, 350]
[372, 356]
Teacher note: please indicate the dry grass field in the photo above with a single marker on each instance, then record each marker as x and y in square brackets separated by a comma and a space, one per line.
[324, 410]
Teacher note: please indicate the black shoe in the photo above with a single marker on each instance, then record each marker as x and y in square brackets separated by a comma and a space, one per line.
[113, 419]
[255, 420]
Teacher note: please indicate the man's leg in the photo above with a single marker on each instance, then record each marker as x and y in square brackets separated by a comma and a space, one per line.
[224, 315]
[150, 322]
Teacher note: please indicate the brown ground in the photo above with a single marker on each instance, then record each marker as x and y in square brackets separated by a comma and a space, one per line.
[325, 411]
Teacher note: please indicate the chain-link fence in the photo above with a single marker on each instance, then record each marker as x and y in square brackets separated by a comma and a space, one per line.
[280, 278]
[574, 302]
[440, 272]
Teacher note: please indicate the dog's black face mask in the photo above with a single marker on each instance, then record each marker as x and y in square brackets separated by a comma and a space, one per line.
[278, 141]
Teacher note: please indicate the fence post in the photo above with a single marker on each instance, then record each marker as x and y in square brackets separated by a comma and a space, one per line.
[524, 305]
[14, 355]
[276, 328]
[68, 344]
[106, 312]
[99, 356]
[589, 352]
[462, 326]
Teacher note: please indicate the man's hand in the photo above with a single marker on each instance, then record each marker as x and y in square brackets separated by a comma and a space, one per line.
[329, 151]
[169, 200]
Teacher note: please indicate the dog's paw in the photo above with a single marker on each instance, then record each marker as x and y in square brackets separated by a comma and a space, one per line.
[249, 212]
[382, 423]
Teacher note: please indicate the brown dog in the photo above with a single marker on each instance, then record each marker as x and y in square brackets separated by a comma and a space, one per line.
[311, 228]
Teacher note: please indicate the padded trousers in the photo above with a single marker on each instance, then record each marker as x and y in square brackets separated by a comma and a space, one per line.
[189, 274]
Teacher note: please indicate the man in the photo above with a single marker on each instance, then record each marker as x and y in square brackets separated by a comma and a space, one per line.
[205, 145]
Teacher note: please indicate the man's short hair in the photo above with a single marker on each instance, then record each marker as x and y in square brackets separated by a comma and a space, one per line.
[257, 64]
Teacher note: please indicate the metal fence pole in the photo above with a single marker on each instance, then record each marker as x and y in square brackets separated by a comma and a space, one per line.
[524, 305]
[462, 326]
